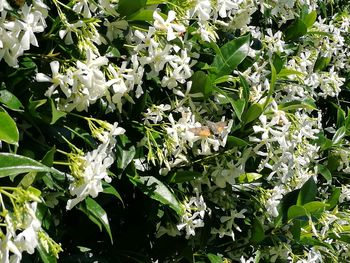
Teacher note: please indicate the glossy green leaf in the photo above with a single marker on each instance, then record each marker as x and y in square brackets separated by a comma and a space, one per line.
[100, 214]
[203, 83]
[45, 256]
[127, 7]
[155, 2]
[12, 164]
[155, 189]
[8, 129]
[339, 135]
[296, 30]
[10, 101]
[296, 229]
[232, 54]
[322, 62]
[55, 114]
[296, 211]
[223, 79]
[278, 63]
[272, 80]
[112, 52]
[125, 157]
[308, 104]
[245, 86]
[307, 192]
[315, 206]
[214, 258]
[258, 233]
[285, 72]
[310, 18]
[33, 105]
[183, 176]
[109, 189]
[253, 112]
[333, 200]
[249, 177]
[145, 15]
[323, 170]
[237, 105]
[235, 141]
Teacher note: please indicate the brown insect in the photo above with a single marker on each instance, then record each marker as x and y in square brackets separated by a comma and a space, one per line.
[203, 131]
[212, 128]
[17, 3]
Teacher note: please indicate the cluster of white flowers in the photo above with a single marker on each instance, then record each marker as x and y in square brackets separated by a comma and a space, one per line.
[287, 150]
[21, 236]
[91, 169]
[192, 218]
[228, 223]
[17, 33]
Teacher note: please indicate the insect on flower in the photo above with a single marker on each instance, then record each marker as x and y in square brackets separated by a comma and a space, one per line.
[213, 128]
[17, 3]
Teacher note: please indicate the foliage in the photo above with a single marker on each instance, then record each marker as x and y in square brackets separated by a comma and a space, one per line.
[183, 130]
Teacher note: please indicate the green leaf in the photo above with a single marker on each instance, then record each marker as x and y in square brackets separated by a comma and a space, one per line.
[109, 189]
[223, 79]
[339, 135]
[235, 141]
[100, 214]
[258, 233]
[315, 206]
[307, 192]
[246, 88]
[323, 142]
[308, 104]
[249, 177]
[296, 211]
[273, 79]
[253, 112]
[8, 129]
[322, 62]
[144, 15]
[277, 63]
[155, 189]
[323, 170]
[127, 7]
[183, 176]
[296, 229]
[340, 116]
[45, 256]
[237, 105]
[10, 101]
[232, 54]
[49, 157]
[334, 198]
[214, 258]
[310, 18]
[155, 2]
[296, 30]
[285, 72]
[55, 114]
[12, 164]
[203, 83]
[112, 52]
[125, 157]
[33, 105]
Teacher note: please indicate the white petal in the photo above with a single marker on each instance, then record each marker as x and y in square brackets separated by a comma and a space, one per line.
[40, 77]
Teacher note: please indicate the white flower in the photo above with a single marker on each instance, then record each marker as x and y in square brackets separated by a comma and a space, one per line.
[161, 24]
[90, 183]
[30, 23]
[155, 114]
